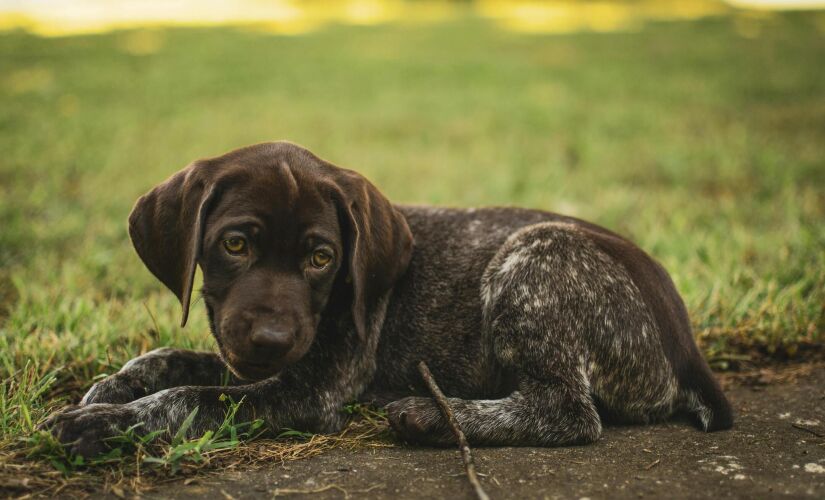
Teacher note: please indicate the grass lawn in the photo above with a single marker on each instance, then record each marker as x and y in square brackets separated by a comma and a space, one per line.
[705, 147]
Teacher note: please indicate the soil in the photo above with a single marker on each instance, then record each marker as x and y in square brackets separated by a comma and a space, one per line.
[776, 449]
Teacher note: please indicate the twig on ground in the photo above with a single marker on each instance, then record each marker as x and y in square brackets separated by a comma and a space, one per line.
[289, 491]
[807, 429]
[652, 464]
[447, 411]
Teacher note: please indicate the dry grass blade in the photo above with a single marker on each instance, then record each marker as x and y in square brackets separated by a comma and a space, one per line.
[289, 491]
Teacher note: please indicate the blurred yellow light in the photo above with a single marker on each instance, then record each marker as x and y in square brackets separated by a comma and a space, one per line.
[68, 17]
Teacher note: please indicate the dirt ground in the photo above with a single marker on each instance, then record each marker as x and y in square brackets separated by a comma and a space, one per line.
[776, 449]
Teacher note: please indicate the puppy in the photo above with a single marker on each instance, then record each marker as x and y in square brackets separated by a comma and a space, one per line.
[320, 292]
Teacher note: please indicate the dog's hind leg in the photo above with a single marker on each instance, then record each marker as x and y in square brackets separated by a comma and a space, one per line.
[569, 321]
[541, 413]
[530, 329]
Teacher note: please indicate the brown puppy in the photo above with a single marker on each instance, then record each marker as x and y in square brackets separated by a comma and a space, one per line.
[320, 292]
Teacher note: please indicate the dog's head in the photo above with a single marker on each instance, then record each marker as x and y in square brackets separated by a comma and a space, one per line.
[282, 238]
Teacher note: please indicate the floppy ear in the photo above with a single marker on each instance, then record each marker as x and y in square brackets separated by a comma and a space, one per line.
[380, 244]
[166, 227]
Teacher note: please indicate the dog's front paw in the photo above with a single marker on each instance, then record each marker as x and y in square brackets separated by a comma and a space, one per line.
[419, 420]
[115, 389]
[84, 430]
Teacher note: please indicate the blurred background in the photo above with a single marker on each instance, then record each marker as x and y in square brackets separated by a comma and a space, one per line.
[696, 128]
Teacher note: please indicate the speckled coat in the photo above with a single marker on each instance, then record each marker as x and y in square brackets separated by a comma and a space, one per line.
[539, 327]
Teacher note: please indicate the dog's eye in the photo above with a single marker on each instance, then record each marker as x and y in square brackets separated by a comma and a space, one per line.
[320, 259]
[235, 245]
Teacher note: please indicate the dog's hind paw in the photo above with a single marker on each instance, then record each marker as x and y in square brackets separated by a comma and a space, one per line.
[419, 420]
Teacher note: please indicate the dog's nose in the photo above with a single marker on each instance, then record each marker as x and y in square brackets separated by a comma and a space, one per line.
[273, 337]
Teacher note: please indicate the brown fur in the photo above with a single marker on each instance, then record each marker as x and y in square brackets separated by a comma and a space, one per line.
[539, 326]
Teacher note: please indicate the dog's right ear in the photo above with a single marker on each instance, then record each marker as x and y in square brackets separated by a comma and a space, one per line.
[166, 227]
[380, 242]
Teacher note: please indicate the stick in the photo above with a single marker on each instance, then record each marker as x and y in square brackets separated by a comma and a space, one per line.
[461, 439]
[652, 464]
[807, 429]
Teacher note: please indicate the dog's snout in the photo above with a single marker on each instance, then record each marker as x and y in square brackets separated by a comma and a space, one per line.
[275, 337]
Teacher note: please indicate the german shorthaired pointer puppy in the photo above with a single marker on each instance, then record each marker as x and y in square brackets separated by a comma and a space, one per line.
[320, 292]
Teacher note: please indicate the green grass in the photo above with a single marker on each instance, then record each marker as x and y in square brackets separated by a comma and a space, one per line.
[705, 147]
[134, 440]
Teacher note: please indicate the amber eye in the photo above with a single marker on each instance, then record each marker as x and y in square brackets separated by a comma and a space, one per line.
[320, 259]
[235, 245]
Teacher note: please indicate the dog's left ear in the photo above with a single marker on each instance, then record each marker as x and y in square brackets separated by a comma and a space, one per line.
[379, 239]
[166, 227]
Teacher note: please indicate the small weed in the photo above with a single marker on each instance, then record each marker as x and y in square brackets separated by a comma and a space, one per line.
[148, 449]
[368, 412]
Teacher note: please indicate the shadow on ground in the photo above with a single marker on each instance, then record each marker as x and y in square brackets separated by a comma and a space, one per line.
[776, 449]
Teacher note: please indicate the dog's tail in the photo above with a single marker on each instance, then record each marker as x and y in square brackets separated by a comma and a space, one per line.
[704, 398]
[700, 392]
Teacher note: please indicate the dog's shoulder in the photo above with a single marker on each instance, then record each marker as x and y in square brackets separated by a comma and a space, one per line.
[451, 236]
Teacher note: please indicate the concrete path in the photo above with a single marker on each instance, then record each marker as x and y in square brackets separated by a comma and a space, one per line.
[777, 449]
